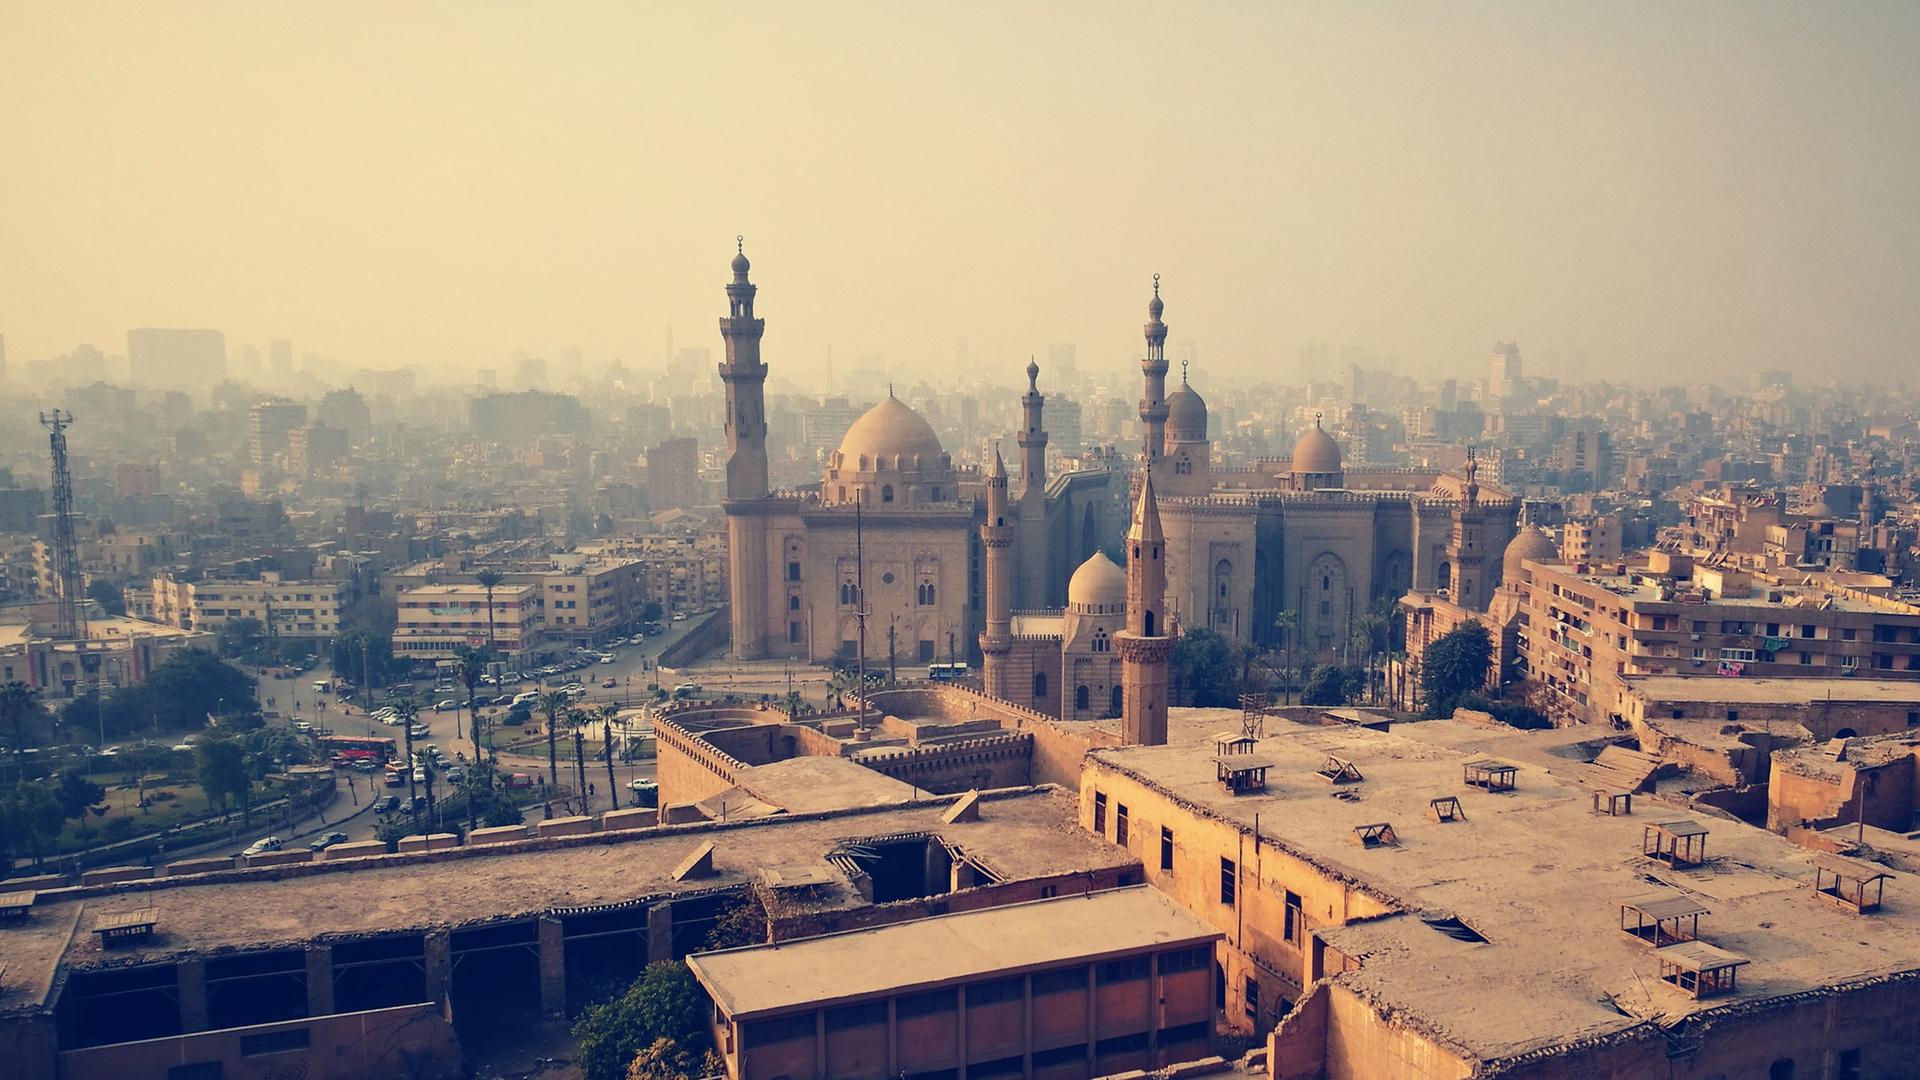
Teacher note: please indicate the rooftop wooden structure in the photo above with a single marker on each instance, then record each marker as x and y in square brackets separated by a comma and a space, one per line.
[1679, 844]
[1855, 885]
[1446, 808]
[16, 904]
[122, 927]
[1613, 803]
[1338, 770]
[1242, 773]
[1700, 970]
[1489, 775]
[1378, 834]
[1662, 918]
[1233, 742]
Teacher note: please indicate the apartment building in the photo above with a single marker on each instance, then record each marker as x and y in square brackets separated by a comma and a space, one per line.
[435, 620]
[301, 609]
[1584, 628]
[587, 600]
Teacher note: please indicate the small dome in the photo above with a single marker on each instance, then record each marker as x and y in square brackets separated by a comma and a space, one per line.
[1316, 452]
[1186, 415]
[890, 432]
[1154, 306]
[740, 263]
[1098, 583]
[1532, 543]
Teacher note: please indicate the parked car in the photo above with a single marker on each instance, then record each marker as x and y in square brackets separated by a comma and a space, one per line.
[445, 705]
[365, 765]
[609, 683]
[686, 690]
[264, 845]
[302, 726]
[387, 805]
[518, 780]
[327, 841]
[456, 774]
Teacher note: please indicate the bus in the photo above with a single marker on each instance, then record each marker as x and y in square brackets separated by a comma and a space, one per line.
[347, 749]
[946, 672]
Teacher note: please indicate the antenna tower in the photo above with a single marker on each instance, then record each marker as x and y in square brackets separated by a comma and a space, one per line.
[71, 624]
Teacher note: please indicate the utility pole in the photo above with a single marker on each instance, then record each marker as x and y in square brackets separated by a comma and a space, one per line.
[860, 607]
[70, 623]
[613, 791]
[893, 670]
[580, 766]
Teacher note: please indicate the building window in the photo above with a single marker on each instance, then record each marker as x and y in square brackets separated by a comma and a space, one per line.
[1780, 1070]
[793, 603]
[1293, 926]
[1100, 812]
[886, 493]
[793, 633]
[793, 571]
[936, 494]
[1166, 849]
[1849, 1065]
[1228, 882]
[846, 594]
[1253, 999]
[1080, 698]
[1120, 824]
[925, 594]
[273, 1042]
[1100, 642]
[1039, 685]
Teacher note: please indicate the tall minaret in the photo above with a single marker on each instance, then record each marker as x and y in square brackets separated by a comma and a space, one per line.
[1144, 645]
[1153, 405]
[1030, 543]
[745, 378]
[997, 535]
[1033, 438]
[1467, 547]
[746, 427]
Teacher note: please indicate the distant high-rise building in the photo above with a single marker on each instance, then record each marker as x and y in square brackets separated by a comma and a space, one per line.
[3, 358]
[1065, 426]
[823, 425]
[280, 360]
[1503, 371]
[268, 425]
[530, 374]
[176, 358]
[1063, 359]
[673, 474]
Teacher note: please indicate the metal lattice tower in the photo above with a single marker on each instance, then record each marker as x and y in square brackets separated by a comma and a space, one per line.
[71, 623]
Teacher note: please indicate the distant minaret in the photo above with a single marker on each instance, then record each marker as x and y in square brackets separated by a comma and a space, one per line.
[1031, 558]
[1467, 547]
[1145, 645]
[1153, 405]
[745, 378]
[997, 639]
[1033, 438]
[746, 429]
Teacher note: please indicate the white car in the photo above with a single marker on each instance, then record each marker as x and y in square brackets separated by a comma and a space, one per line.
[263, 845]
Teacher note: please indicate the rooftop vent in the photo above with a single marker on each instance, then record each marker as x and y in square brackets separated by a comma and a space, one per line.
[1456, 929]
[1445, 808]
[15, 905]
[1661, 918]
[124, 927]
[1379, 834]
[1241, 774]
[1848, 882]
[1338, 770]
[1700, 970]
[1488, 774]
[1679, 844]
[1613, 803]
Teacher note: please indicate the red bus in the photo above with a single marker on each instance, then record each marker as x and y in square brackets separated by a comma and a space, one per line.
[347, 749]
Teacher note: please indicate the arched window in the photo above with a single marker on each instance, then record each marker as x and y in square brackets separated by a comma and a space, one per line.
[1100, 642]
[793, 603]
[936, 495]
[886, 493]
[925, 594]
[1149, 624]
[1039, 685]
[846, 594]
[1780, 1070]
[1113, 701]
[1080, 697]
[1444, 576]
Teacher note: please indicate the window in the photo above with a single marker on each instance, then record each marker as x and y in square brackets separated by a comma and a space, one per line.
[1100, 812]
[1039, 685]
[1166, 847]
[852, 1016]
[992, 993]
[1849, 1065]
[1122, 1044]
[793, 571]
[1295, 927]
[793, 633]
[1194, 959]
[1059, 1055]
[1227, 881]
[273, 1042]
[1848, 634]
[936, 494]
[793, 603]
[927, 1004]
[1326, 608]
[1067, 980]
[1184, 1033]
[1253, 999]
[1131, 969]
[886, 493]
[846, 594]
[1120, 824]
[205, 1070]
[1081, 697]
[1114, 701]
[1100, 642]
[777, 1030]
[924, 595]
[1781, 1070]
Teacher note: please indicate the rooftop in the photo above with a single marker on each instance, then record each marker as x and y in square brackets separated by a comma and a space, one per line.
[945, 950]
[1535, 872]
[1771, 691]
[1018, 835]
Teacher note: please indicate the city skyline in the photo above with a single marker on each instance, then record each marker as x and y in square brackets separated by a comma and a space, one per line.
[1658, 191]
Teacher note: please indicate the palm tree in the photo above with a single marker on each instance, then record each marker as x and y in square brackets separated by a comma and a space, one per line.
[489, 580]
[472, 663]
[18, 701]
[407, 711]
[607, 714]
[552, 703]
[1368, 630]
[1284, 621]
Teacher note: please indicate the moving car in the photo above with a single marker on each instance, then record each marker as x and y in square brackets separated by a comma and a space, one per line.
[517, 780]
[609, 682]
[387, 805]
[446, 705]
[264, 845]
[327, 841]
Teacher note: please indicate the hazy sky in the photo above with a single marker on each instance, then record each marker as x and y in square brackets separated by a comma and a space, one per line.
[1674, 188]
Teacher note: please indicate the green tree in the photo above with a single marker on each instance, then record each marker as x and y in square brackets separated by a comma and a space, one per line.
[30, 821]
[224, 775]
[79, 797]
[651, 611]
[1331, 685]
[664, 1003]
[242, 639]
[1284, 622]
[553, 703]
[19, 704]
[1456, 664]
[1205, 668]
[489, 580]
[185, 689]
[108, 595]
[668, 1060]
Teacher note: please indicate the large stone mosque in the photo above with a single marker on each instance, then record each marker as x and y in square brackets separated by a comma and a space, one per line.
[950, 563]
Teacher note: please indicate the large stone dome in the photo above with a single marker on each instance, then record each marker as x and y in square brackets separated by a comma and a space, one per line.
[1316, 452]
[1186, 415]
[1098, 587]
[891, 436]
[1531, 543]
[890, 455]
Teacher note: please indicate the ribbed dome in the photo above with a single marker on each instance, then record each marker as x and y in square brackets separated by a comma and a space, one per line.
[1186, 415]
[1532, 543]
[1316, 452]
[888, 431]
[1098, 583]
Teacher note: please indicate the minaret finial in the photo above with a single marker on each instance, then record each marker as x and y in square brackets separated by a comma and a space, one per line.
[1184, 361]
[1316, 418]
[889, 389]
[740, 244]
[1156, 284]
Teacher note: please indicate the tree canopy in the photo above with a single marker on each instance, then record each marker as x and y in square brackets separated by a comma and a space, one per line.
[1206, 669]
[31, 818]
[664, 1003]
[1332, 684]
[1456, 664]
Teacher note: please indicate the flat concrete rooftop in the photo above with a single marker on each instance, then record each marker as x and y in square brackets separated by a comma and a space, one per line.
[946, 949]
[1019, 835]
[1773, 691]
[1534, 871]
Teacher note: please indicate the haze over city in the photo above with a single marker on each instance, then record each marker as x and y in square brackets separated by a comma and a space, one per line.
[1665, 189]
